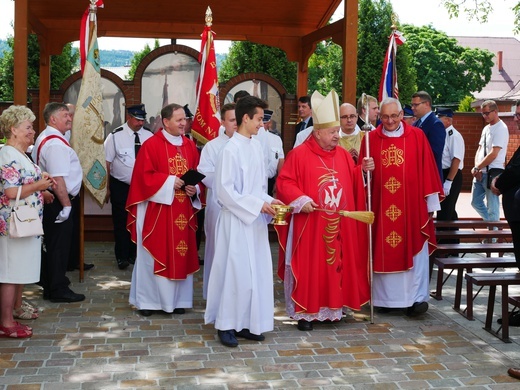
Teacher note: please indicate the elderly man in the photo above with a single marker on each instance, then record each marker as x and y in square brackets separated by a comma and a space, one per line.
[121, 148]
[350, 133]
[323, 256]
[53, 154]
[405, 193]
[430, 125]
[489, 162]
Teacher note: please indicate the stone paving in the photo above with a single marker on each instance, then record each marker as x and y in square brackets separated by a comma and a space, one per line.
[103, 343]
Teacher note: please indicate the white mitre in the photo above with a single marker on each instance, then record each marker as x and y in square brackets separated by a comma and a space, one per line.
[325, 110]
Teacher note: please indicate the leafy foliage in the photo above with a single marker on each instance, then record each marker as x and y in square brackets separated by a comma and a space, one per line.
[447, 71]
[62, 66]
[465, 104]
[138, 57]
[326, 69]
[246, 57]
[373, 33]
[478, 10]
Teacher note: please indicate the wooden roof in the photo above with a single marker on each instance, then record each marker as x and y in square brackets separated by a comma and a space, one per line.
[280, 23]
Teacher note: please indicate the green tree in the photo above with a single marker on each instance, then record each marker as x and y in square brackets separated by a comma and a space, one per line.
[447, 71]
[478, 10]
[138, 57]
[244, 57]
[326, 68]
[465, 104]
[374, 30]
[62, 66]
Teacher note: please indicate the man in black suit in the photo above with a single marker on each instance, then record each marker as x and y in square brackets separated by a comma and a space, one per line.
[305, 113]
[430, 125]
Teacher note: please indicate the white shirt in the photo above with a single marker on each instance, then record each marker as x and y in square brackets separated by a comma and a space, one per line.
[275, 153]
[494, 135]
[58, 159]
[120, 151]
[453, 148]
[302, 136]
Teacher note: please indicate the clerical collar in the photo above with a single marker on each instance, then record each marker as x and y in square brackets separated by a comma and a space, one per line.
[175, 140]
[396, 133]
[356, 132]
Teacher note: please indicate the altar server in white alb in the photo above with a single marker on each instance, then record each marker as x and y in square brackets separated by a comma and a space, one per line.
[240, 290]
[208, 162]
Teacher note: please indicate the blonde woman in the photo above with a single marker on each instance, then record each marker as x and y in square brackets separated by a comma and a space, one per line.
[20, 258]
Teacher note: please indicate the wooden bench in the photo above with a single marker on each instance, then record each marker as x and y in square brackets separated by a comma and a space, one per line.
[471, 224]
[493, 280]
[459, 264]
[477, 234]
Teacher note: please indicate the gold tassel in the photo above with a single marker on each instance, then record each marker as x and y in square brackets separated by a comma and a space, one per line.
[361, 216]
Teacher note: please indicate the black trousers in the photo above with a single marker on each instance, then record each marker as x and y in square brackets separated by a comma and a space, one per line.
[448, 211]
[124, 248]
[57, 246]
[515, 232]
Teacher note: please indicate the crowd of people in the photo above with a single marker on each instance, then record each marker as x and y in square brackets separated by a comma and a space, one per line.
[158, 183]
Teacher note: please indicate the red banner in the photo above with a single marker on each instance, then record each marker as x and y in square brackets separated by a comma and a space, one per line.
[207, 115]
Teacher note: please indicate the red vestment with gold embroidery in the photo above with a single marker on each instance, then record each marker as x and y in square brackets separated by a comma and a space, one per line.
[169, 230]
[329, 257]
[405, 174]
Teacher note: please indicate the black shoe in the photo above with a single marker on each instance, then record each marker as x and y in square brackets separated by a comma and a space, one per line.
[67, 296]
[246, 334]
[146, 312]
[131, 260]
[417, 309]
[304, 325]
[86, 267]
[386, 310]
[227, 338]
[201, 261]
[514, 319]
[179, 311]
[122, 264]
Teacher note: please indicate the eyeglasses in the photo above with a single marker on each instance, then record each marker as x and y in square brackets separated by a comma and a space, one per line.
[517, 116]
[393, 117]
[484, 113]
[417, 104]
[351, 117]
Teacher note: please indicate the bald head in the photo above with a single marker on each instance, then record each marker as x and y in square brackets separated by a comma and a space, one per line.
[347, 118]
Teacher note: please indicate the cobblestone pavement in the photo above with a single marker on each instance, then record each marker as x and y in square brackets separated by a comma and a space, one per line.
[103, 343]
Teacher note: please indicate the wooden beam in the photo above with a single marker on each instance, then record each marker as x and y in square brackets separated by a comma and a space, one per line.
[350, 29]
[20, 52]
[45, 77]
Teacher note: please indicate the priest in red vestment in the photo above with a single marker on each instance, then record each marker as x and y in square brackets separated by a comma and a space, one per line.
[323, 255]
[405, 193]
[162, 218]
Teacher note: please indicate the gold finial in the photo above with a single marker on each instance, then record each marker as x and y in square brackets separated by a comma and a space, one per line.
[395, 20]
[209, 17]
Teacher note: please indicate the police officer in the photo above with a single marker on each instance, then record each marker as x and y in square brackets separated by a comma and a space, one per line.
[121, 148]
[452, 164]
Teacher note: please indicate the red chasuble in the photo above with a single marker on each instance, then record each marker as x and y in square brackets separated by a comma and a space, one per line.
[404, 176]
[169, 230]
[329, 257]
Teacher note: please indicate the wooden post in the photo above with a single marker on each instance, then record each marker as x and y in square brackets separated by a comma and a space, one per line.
[350, 51]
[20, 51]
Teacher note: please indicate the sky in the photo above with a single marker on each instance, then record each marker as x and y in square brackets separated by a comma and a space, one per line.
[419, 13]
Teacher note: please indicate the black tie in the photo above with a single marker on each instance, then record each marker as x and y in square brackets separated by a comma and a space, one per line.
[418, 123]
[137, 143]
[304, 125]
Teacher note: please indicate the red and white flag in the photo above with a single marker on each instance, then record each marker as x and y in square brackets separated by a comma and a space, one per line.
[88, 133]
[207, 113]
[388, 86]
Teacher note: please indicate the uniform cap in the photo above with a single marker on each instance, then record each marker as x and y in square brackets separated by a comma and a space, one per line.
[267, 115]
[137, 112]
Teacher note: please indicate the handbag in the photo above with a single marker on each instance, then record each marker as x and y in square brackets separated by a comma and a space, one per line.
[25, 221]
[491, 174]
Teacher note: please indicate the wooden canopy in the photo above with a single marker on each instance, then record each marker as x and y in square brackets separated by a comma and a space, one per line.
[293, 26]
